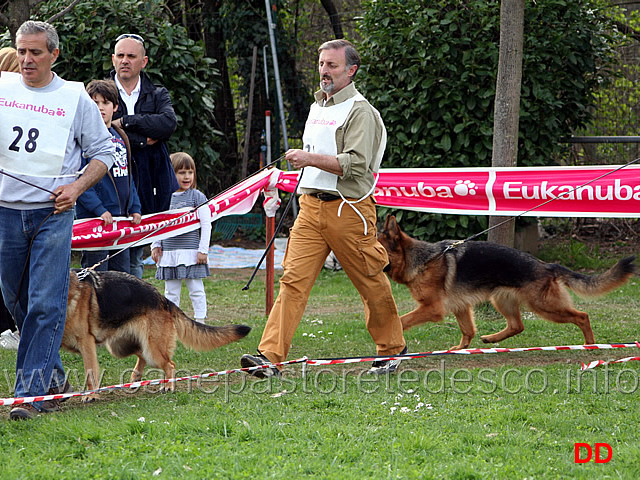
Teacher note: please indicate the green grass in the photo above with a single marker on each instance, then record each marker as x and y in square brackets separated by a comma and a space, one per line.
[455, 417]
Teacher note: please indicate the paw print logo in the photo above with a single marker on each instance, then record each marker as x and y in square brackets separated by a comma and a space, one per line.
[60, 112]
[464, 188]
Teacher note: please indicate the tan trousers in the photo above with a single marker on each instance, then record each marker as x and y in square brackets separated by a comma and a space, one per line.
[316, 231]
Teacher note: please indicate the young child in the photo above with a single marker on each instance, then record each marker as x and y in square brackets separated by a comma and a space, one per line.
[185, 257]
[115, 194]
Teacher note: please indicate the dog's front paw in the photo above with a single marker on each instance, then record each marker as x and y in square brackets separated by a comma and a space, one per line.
[168, 388]
[90, 398]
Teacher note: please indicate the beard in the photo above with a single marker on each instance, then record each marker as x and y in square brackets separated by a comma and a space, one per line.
[327, 88]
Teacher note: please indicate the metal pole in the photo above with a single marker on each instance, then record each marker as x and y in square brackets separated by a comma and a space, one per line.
[267, 136]
[276, 72]
[247, 136]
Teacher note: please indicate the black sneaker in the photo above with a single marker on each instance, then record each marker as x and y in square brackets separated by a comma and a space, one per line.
[248, 361]
[384, 367]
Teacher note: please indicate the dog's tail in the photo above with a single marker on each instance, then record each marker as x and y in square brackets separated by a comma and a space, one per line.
[595, 285]
[202, 337]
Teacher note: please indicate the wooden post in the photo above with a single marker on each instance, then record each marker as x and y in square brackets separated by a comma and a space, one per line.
[507, 105]
[270, 277]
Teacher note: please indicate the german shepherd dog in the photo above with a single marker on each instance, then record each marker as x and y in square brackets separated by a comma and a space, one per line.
[130, 317]
[452, 277]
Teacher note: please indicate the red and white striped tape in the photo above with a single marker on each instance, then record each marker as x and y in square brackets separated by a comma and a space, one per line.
[143, 383]
[470, 351]
[334, 361]
[597, 363]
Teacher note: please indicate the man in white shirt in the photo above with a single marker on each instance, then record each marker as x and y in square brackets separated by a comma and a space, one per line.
[148, 119]
[44, 128]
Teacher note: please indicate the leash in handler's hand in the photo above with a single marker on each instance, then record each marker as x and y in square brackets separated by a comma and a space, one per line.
[29, 183]
[277, 229]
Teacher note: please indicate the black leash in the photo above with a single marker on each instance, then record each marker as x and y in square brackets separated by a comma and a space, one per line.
[277, 229]
[29, 183]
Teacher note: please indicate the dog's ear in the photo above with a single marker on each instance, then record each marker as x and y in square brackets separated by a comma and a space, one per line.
[391, 227]
[386, 222]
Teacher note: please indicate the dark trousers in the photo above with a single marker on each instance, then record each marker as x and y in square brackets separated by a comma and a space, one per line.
[6, 321]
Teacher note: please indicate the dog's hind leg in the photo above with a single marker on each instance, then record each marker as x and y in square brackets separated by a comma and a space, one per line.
[568, 315]
[556, 306]
[467, 326]
[510, 308]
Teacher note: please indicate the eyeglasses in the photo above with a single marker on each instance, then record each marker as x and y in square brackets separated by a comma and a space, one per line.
[131, 35]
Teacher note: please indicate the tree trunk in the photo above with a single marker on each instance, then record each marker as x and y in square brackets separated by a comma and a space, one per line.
[332, 11]
[17, 13]
[224, 109]
[507, 105]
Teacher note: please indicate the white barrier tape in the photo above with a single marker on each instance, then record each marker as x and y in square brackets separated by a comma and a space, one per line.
[597, 363]
[333, 361]
[470, 351]
[142, 383]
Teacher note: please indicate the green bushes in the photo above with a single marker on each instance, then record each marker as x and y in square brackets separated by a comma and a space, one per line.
[432, 71]
[87, 34]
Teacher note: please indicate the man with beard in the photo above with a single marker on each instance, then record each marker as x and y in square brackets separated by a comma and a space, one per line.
[344, 140]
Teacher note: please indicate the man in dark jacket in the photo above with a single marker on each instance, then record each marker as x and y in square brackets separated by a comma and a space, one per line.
[146, 115]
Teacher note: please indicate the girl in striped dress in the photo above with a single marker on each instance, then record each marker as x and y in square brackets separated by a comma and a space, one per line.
[185, 256]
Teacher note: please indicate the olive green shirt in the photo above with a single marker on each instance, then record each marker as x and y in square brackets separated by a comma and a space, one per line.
[357, 140]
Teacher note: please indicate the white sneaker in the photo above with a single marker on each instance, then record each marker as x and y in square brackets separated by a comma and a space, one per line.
[9, 340]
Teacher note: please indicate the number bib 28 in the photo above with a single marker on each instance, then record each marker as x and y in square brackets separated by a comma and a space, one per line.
[35, 126]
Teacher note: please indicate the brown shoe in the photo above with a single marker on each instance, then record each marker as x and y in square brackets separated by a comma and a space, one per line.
[60, 389]
[25, 411]
[49, 406]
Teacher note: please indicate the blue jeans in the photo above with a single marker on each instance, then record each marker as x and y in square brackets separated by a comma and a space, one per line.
[137, 267]
[119, 260]
[39, 300]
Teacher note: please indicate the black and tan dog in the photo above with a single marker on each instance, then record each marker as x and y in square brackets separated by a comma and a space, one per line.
[451, 277]
[130, 317]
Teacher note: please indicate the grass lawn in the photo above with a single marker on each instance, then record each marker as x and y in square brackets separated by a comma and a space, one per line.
[510, 415]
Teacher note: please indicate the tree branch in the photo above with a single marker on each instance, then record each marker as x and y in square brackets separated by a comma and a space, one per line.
[627, 30]
[33, 3]
[63, 12]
